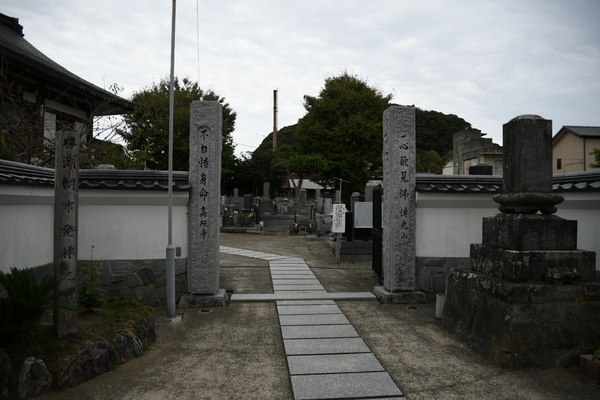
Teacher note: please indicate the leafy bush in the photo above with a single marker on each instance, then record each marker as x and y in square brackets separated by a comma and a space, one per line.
[27, 300]
[89, 294]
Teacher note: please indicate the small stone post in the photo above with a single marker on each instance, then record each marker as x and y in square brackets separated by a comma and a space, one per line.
[399, 252]
[66, 195]
[204, 206]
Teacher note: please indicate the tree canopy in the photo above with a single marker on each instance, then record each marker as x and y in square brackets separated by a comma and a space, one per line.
[343, 124]
[146, 129]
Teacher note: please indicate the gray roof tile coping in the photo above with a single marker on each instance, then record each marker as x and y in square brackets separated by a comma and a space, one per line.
[12, 173]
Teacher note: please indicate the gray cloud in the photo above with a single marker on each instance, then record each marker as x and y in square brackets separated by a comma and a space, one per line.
[486, 61]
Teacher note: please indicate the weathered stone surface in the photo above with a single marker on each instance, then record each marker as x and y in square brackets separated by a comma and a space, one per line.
[524, 232]
[121, 267]
[386, 297]
[133, 280]
[554, 293]
[113, 293]
[399, 251]
[147, 328]
[128, 346]
[591, 291]
[139, 292]
[205, 197]
[147, 275]
[540, 266]
[34, 379]
[217, 300]
[160, 282]
[94, 360]
[151, 296]
[541, 314]
[527, 147]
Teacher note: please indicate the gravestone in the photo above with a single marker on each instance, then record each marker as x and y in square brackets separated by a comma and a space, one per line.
[303, 209]
[204, 206]
[318, 202]
[66, 203]
[328, 206]
[526, 300]
[399, 166]
[369, 191]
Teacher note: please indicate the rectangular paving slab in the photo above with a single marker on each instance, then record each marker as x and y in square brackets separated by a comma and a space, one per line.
[298, 287]
[313, 309]
[291, 268]
[285, 272]
[318, 331]
[323, 319]
[313, 281]
[325, 346]
[333, 364]
[304, 302]
[293, 276]
[344, 386]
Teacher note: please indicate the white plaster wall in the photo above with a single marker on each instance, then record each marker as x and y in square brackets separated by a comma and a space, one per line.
[26, 219]
[121, 224]
[585, 209]
[447, 223]
[125, 225]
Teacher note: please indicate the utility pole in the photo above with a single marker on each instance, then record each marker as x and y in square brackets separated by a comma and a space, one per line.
[274, 119]
[170, 261]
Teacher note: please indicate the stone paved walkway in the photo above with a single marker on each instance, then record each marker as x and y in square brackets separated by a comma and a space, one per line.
[326, 357]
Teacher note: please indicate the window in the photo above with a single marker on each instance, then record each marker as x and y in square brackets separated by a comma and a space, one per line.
[559, 163]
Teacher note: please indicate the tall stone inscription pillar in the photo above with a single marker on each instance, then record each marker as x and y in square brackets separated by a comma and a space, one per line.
[204, 206]
[399, 252]
[66, 195]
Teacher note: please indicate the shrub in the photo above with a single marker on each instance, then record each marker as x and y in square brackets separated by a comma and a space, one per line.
[89, 294]
[27, 300]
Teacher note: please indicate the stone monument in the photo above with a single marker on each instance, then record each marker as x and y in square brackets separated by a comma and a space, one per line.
[399, 179]
[204, 206]
[66, 203]
[528, 298]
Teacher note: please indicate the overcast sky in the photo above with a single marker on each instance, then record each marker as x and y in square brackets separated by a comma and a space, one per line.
[485, 61]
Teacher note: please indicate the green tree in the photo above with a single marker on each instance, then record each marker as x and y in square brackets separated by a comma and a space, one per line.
[146, 129]
[596, 152]
[305, 165]
[343, 124]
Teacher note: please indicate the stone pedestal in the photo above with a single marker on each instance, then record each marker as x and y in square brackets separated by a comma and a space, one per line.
[530, 296]
[218, 299]
[384, 296]
[522, 324]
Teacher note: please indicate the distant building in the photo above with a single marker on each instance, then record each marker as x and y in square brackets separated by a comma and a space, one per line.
[448, 167]
[471, 148]
[571, 148]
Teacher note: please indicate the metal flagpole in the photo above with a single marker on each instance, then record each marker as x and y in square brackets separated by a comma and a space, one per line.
[170, 270]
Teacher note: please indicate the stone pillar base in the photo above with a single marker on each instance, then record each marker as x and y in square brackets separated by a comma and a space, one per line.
[522, 325]
[386, 297]
[204, 300]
